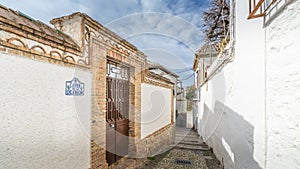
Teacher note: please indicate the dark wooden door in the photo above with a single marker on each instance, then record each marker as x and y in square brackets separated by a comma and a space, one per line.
[117, 97]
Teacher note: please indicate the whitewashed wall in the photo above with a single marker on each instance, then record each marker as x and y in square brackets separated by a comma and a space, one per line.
[173, 80]
[156, 108]
[181, 103]
[189, 119]
[232, 111]
[283, 88]
[40, 127]
[250, 113]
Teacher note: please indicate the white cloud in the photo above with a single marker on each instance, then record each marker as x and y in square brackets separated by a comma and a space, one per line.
[43, 10]
[166, 30]
[158, 23]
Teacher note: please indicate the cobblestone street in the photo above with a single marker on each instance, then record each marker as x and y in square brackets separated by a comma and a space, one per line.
[187, 152]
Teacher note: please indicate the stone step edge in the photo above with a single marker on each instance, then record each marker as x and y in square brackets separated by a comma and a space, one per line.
[191, 143]
[191, 148]
[186, 136]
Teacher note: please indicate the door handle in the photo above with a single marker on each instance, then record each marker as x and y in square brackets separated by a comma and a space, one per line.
[112, 125]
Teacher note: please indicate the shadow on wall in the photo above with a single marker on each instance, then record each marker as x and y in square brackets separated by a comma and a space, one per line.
[230, 135]
[181, 120]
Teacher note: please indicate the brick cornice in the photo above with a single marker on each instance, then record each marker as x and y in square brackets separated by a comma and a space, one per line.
[41, 37]
[154, 79]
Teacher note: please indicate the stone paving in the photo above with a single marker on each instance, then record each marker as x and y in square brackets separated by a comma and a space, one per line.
[188, 152]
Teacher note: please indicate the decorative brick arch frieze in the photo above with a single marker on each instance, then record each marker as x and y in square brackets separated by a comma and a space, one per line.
[38, 40]
[46, 49]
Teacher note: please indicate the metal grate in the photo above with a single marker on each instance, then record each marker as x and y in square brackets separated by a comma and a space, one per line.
[183, 162]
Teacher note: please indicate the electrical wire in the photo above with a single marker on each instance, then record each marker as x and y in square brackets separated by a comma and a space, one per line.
[182, 69]
[187, 77]
[190, 69]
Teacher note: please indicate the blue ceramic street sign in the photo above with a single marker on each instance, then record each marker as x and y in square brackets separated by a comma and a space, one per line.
[74, 87]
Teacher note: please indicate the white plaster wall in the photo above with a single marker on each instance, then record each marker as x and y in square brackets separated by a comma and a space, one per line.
[40, 127]
[181, 105]
[189, 119]
[232, 111]
[283, 88]
[156, 108]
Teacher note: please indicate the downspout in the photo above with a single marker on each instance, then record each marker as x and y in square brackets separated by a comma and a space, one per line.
[265, 103]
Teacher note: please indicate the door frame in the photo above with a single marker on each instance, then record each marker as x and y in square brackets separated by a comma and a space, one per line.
[116, 133]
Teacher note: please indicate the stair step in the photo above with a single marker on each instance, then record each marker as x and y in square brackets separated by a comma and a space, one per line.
[191, 148]
[190, 136]
[188, 141]
[193, 144]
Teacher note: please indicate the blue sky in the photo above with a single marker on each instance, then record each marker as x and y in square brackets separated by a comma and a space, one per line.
[167, 31]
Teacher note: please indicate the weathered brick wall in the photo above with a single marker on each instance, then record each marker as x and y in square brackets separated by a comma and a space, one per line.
[154, 143]
[103, 45]
[98, 125]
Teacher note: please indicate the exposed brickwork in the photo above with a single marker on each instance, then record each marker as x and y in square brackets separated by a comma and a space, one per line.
[27, 37]
[101, 51]
[158, 81]
[97, 152]
[98, 124]
[153, 143]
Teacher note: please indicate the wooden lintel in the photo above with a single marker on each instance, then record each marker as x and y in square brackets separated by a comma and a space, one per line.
[253, 13]
[256, 16]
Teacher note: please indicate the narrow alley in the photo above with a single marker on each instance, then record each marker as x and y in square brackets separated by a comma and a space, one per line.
[188, 152]
[140, 84]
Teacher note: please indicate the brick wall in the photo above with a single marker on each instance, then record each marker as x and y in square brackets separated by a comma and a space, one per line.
[155, 142]
[103, 45]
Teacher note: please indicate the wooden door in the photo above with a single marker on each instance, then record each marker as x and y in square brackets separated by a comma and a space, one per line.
[117, 100]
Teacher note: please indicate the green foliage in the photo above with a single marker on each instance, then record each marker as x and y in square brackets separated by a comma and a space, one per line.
[190, 92]
[190, 95]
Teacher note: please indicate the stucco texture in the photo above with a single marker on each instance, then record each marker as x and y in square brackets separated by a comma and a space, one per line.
[283, 88]
[41, 127]
[156, 108]
[232, 109]
[249, 111]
